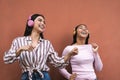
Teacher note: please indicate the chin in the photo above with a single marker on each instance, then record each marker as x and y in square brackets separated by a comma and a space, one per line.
[42, 31]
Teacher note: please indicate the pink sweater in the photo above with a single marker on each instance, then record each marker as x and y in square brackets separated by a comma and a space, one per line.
[84, 63]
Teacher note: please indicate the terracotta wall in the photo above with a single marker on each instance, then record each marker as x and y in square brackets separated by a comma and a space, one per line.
[101, 16]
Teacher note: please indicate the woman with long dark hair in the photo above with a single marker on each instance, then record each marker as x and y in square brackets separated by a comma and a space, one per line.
[33, 51]
[87, 60]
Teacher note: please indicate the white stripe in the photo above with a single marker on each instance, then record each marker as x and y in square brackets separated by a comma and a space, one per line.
[39, 55]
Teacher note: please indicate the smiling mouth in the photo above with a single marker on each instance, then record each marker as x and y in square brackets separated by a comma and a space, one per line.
[83, 32]
[42, 27]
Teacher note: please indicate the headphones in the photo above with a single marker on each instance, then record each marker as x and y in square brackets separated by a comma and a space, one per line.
[74, 31]
[30, 22]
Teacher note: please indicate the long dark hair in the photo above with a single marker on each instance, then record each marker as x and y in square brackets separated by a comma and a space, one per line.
[29, 29]
[75, 34]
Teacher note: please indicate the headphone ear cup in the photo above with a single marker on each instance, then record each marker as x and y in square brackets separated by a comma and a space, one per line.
[30, 23]
[74, 32]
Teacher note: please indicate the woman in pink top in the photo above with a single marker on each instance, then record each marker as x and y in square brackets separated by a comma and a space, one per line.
[87, 61]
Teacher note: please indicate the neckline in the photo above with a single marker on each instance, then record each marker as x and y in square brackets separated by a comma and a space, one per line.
[81, 45]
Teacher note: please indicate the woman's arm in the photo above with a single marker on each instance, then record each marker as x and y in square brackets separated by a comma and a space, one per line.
[10, 56]
[97, 60]
[73, 52]
[59, 61]
[64, 71]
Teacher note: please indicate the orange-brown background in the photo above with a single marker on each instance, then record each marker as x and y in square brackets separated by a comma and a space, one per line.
[101, 16]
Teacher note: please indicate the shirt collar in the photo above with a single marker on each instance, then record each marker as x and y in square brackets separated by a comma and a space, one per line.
[28, 38]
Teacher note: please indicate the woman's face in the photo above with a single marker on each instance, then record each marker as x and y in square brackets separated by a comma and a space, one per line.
[39, 24]
[82, 31]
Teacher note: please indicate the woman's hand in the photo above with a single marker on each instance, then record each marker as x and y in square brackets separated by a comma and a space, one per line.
[24, 48]
[74, 51]
[73, 76]
[95, 47]
[27, 48]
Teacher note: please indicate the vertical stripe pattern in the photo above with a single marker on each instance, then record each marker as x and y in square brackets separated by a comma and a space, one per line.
[35, 59]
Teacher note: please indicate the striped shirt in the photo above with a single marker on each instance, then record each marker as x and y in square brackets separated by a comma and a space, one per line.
[37, 58]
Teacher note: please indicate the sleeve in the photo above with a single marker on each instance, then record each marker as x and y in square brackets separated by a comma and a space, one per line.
[97, 62]
[54, 59]
[10, 55]
[64, 71]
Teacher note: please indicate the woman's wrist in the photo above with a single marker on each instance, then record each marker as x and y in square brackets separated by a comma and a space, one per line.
[19, 51]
